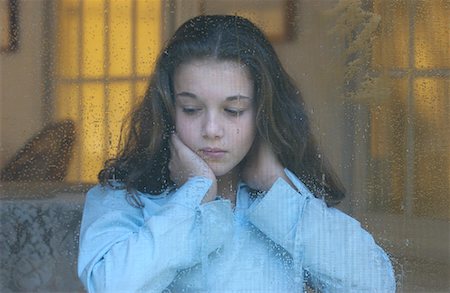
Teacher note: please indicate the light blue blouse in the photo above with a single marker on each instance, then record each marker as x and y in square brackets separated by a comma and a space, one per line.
[270, 243]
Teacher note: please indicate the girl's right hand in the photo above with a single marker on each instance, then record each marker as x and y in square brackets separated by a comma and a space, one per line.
[185, 163]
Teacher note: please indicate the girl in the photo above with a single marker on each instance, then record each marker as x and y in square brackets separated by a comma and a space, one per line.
[220, 186]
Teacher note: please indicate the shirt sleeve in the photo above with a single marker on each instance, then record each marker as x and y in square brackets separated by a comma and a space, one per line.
[331, 247]
[120, 251]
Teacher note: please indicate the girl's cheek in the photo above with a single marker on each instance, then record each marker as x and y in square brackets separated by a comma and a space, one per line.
[180, 123]
[186, 131]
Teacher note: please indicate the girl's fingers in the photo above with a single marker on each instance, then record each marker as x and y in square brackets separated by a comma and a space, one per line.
[176, 140]
[185, 163]
[177, 145]
[173, 144]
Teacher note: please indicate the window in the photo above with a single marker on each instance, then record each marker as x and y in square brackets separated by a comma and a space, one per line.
[104, 55]
[410, 134]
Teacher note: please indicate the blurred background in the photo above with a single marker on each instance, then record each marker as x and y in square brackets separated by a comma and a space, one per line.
[375, 75]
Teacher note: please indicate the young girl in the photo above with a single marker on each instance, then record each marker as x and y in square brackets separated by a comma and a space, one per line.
[220, 186]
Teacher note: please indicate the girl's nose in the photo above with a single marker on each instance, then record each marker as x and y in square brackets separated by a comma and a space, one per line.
[212, 127]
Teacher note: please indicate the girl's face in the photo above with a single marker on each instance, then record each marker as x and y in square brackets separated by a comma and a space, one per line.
[215, 111]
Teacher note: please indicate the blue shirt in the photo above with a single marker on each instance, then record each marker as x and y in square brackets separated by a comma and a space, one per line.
[270, 243]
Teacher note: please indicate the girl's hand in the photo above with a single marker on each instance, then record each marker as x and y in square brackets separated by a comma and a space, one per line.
[262, 167]
[185, 164]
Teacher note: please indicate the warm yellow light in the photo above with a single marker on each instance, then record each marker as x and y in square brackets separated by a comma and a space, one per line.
[68, 39]
[149, 22]
[105, 54]
[93, 42]
[120, 38]
[391, 45]
[119, 105]
[92, 130]
[432, 35]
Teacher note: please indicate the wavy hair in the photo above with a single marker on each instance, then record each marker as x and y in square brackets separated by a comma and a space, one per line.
[281, 119]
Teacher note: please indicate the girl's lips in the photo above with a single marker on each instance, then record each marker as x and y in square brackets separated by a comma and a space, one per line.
[213, 153]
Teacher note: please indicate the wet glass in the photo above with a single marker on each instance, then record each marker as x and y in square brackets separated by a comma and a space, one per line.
[375, 76]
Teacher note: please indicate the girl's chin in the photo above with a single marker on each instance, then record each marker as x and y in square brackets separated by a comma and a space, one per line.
[221, 172]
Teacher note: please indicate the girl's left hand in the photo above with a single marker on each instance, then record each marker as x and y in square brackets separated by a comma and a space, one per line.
[185, 163]
[262, 167]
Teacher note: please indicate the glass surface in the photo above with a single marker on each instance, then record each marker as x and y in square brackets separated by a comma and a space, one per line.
[91, 21]
[388, 141]
[432, 38]
[392, 46]
[120, 36]
[93, 129]
[67, 32]
[117, 43]
[149, 23]
[432, 159]
[375, 76]
[119, 104]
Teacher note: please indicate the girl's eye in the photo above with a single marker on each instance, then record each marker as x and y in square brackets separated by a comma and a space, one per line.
[190, 111]
[234, 112]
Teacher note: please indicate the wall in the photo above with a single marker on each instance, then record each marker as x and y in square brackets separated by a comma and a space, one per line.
[313, 61]
[21, 83]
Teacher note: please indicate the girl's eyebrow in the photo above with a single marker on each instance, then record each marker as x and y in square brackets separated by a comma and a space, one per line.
[231, 98]
[186, 94]
[238, 97]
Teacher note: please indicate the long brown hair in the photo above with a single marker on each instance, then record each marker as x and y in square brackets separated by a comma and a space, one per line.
[281, 118]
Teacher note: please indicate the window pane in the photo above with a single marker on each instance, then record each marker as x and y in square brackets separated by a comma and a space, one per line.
[387, 149]
[116, 46]
[120, 38]
[93, 131]
[149, 35]
[391, 47]
[66, 102]
[68, 38]
[432, 34]
[432, 156]
[93, 38]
